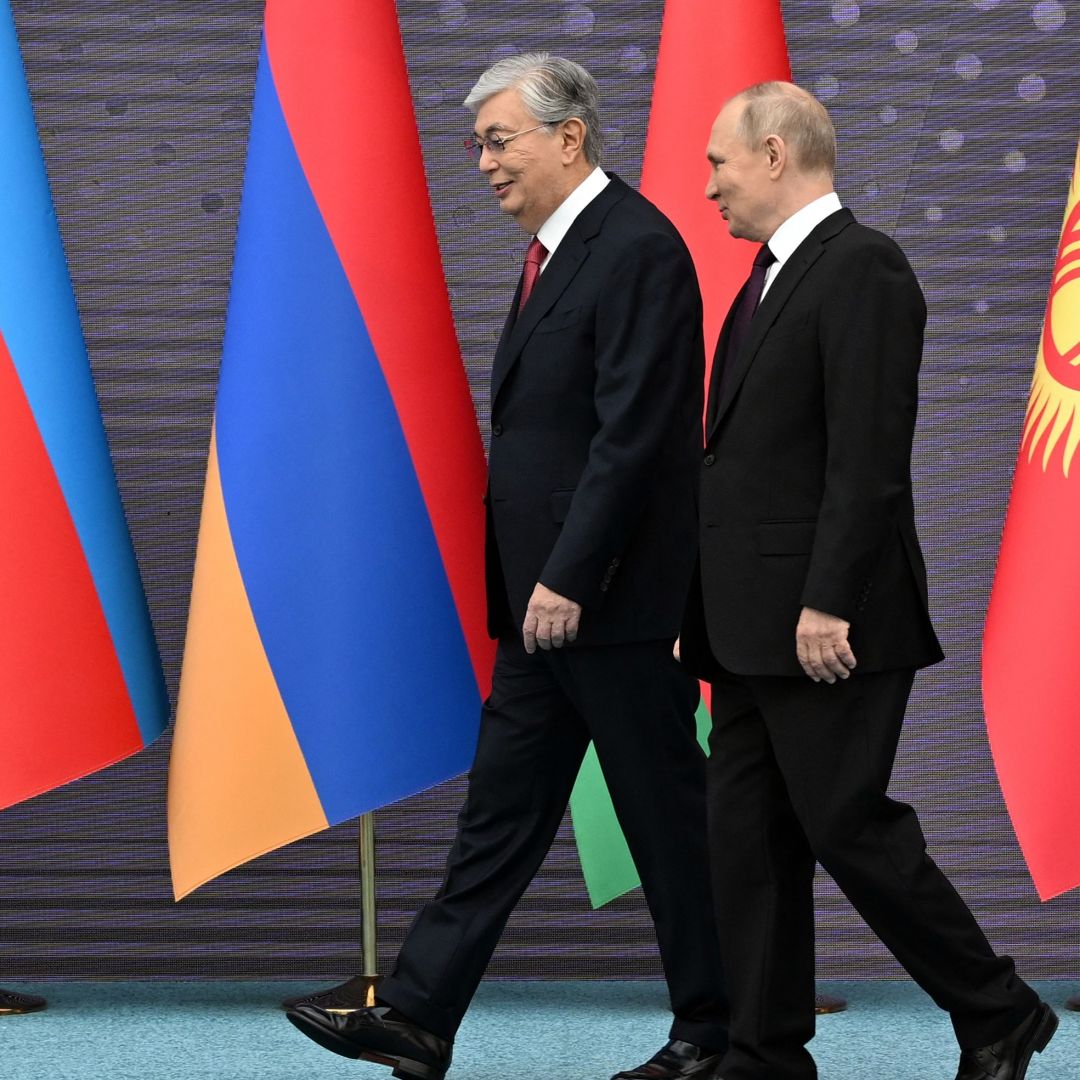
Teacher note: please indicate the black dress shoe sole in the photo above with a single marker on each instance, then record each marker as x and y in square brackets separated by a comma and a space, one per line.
[404, 1068]
[1041, 1035]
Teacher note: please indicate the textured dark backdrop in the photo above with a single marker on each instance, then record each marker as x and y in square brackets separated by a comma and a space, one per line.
[958, 123]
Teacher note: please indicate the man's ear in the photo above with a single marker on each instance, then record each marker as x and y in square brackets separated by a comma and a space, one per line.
[776, 150]
[573, 139]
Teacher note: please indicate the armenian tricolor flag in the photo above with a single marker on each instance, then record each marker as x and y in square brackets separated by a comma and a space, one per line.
[80, 677]
[708, 53]
[1031, 673]
[336, 652]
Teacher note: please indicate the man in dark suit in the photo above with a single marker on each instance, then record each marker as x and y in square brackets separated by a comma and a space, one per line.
[809, 612]
[596, 398]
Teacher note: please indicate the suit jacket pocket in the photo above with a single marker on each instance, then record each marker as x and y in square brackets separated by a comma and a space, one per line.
[560, 504]
[785, 537]
[558, 320]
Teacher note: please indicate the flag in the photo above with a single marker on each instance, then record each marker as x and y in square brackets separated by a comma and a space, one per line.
[1031, 675]
[708, 53]
[336, 651]
[80, 677]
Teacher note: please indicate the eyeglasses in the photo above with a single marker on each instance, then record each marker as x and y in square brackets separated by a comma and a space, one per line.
[494, 144]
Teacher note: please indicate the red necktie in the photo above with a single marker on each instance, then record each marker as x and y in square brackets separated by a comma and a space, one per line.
[535, 254]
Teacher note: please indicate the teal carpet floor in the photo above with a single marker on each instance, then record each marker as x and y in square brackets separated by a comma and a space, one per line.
[515, 1031]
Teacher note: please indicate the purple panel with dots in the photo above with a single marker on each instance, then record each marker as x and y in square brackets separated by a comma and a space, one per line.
[958, 124]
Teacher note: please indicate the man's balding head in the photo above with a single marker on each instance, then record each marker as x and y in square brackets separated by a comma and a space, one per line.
[797, 117]
[772, 151]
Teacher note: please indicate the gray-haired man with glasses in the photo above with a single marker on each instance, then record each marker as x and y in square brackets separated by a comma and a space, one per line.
[596, 402]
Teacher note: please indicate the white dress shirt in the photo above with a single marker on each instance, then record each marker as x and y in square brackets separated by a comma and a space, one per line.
[551, 233]
[784, 242]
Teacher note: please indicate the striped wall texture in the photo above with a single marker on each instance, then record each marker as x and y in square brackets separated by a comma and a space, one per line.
[958, 127]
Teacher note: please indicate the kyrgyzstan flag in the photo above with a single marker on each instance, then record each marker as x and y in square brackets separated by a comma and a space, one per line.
[708, 53]
[336, 652]
[1031, 673]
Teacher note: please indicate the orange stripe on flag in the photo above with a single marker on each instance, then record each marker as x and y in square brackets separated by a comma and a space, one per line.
[238, 783]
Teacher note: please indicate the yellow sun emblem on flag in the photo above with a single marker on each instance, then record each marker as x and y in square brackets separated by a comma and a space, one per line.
[1054, 405]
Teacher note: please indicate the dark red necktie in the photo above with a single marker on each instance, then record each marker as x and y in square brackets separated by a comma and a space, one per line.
[535, 254]
[748, 302]
[744, 312]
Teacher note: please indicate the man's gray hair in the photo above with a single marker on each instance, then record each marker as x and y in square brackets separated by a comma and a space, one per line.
[551, 88]
[784, 109]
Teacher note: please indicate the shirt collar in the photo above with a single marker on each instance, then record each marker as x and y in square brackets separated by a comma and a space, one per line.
[784, 242]
[551, 233]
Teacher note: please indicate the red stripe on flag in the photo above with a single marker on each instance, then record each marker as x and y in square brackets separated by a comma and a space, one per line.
[64, 707]
[708, 53]
[376, 207]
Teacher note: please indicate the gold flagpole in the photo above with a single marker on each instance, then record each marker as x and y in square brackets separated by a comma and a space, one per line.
[359, 991]
[369, 945]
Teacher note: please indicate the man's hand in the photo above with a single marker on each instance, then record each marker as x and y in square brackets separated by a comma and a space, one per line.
[550, 620]
[821, 642]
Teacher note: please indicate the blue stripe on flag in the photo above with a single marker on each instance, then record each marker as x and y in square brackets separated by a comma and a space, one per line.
[331, 533]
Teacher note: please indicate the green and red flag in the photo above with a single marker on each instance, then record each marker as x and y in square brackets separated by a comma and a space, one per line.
[1031, 674]
[708, 53]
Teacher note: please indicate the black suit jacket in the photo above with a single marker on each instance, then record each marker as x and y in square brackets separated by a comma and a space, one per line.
[596, 399]
[806, 493]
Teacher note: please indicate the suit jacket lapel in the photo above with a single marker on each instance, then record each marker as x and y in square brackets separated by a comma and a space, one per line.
[791, 273]
[508, 326]
[569, 257]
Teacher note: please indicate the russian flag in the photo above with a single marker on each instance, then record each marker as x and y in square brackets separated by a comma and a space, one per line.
[80, 676]
[336, 652]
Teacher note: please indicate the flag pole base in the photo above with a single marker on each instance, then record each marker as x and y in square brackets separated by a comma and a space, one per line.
[827, 1003]
[1073, 1003]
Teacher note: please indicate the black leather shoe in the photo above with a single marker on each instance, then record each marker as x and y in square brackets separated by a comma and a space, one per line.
[346, 997]
[1008, 1058]
[12, 1004]
[676, 1060]
[412, 1052]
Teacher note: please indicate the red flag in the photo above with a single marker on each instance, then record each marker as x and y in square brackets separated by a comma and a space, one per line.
[1031, 671]
[708, 53]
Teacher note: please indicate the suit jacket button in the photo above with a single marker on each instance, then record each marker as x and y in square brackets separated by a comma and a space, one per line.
[710, 459]
[496, 429]
[603, 586]
[615, 561]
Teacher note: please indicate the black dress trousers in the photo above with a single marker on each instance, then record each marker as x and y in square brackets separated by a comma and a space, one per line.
[637, 704]
[798, 774]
